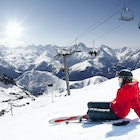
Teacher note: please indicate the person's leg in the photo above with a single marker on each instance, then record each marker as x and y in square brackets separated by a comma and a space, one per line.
[101, 105]
[101, 114]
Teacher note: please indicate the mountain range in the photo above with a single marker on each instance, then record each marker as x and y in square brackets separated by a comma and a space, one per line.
[35, 67]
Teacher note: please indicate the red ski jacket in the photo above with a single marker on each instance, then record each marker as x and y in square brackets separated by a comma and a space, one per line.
[128, 96]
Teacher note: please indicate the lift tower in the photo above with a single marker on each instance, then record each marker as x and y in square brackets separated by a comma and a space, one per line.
[65, 53]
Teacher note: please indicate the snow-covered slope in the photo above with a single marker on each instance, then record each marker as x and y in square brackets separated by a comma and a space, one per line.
[11, 94]
[37, 82]
[89, 81]
[31, 122]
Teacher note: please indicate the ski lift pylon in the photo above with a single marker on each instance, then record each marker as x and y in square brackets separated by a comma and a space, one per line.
[126, 13]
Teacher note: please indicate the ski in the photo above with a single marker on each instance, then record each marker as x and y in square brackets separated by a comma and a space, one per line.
[83, 119]
[78, 118]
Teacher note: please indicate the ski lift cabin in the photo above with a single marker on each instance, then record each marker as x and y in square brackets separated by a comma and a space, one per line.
[92, 53]
[126, 14]
[139, 25]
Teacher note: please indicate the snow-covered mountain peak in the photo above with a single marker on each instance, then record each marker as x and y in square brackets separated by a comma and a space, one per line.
[105, 50]
[80, 46]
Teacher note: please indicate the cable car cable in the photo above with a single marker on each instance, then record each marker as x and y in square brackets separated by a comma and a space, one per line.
[94, 26]
[85, 32]
[114, 28]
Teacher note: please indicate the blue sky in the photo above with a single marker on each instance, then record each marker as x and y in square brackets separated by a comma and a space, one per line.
[60, 22]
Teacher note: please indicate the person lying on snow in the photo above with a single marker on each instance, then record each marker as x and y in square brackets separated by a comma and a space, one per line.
[128, 96]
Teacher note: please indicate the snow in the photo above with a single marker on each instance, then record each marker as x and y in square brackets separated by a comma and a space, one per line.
[81, 66]
[31, 122]
[37, 82]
